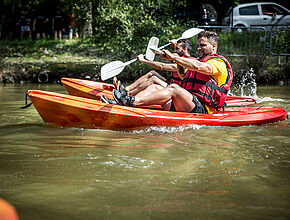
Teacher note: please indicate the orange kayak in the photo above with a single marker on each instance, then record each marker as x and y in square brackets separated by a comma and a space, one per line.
[93, 90]
[73, 111]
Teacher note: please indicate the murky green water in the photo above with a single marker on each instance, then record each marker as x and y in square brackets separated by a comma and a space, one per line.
[196, 172]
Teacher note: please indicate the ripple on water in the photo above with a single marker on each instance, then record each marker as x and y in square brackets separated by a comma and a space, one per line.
[268, 99]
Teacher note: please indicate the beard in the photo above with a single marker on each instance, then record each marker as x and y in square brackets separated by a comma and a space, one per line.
[203, 54]
[180, 53]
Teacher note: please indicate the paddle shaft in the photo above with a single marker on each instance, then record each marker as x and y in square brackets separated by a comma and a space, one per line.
[166, 45]
[135, 59]
[160, 48]
[114, 68]
[130, 61]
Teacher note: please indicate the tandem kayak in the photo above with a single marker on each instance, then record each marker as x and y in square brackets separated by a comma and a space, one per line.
[93, 90]
[73, 111]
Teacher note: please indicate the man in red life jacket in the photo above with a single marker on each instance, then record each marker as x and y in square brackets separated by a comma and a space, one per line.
[204, 84]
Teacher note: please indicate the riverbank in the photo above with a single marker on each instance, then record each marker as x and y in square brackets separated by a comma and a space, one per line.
[45, 61]
[29, 61]
[43, 70]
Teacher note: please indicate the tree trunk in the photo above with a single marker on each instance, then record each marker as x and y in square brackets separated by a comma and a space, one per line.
[88, 28]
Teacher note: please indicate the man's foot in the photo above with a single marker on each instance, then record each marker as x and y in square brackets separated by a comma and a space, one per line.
[122, 99]
[119, 86]
[108, 101]
[115, 82]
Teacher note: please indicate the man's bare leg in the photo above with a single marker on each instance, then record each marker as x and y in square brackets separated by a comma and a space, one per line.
[182, 99]
[143, 82]
[149, 90]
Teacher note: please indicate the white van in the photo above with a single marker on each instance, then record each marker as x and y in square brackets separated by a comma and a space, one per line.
[257, 14]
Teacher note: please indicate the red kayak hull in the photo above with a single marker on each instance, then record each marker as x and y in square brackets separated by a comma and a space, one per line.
[93, 90]
[72, 111]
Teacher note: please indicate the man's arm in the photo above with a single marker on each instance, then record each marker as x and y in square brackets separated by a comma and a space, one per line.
[191, 64]
[158, 65]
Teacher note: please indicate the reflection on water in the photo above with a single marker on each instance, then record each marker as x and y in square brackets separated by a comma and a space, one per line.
[194, 172]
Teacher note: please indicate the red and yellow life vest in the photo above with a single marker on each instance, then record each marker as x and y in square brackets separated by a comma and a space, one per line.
[205, 87]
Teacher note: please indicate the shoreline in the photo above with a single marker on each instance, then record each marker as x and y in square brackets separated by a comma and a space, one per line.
[51, 71]
[47, 61]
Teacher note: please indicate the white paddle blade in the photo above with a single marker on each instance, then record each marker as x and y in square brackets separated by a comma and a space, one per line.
[111, 69]
[191, 32]
[153, 43]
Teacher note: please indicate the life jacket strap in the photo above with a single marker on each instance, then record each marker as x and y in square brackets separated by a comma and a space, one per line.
[208, 84]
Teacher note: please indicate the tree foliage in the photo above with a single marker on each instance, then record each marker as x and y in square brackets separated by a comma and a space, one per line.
[128, 23]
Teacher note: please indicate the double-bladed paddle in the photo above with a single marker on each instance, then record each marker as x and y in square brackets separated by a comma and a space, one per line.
[114, 68]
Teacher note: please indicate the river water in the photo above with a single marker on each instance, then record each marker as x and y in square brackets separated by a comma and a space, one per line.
[194, 172]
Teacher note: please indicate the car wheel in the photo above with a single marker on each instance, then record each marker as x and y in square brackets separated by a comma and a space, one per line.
[240, 28]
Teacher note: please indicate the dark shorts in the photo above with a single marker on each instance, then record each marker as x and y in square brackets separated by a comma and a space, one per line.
[199, 107]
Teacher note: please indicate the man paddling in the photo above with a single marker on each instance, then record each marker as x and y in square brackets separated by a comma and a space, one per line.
[204, 85]
[153, 81]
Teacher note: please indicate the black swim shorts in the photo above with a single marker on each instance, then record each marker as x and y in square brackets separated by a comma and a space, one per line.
[199, 107]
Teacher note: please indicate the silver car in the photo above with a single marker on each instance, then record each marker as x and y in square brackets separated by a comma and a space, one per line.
[257, 14]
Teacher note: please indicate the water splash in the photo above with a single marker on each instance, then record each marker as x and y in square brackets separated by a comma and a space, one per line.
[247, 85]
[166, 129]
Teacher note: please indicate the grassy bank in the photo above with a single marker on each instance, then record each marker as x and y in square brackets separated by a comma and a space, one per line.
[24, 61]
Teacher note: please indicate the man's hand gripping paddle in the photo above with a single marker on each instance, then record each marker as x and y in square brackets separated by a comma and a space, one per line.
[116, 67]
[187, 34]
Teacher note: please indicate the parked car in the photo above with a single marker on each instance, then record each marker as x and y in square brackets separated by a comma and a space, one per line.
[257, 14]
[203, 14]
